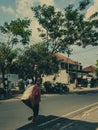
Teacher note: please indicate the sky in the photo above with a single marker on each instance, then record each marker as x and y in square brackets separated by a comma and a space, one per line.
[13, 9]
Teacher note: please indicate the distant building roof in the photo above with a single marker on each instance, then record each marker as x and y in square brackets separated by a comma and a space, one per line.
[66, 59]
[90, 68]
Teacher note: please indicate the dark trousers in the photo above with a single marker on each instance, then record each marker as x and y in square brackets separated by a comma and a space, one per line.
[35, 110]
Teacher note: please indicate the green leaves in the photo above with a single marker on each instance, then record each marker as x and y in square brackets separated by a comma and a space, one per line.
[36, 55]
[17, 31]
[83, 4]
[6, 56]
[52, 23]
[64, 28]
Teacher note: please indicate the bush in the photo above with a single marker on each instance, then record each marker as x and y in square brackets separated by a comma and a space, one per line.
[48, 87]
[55, 88]
[43, 90]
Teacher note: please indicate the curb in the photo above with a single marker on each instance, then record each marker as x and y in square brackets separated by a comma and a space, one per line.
[79, 91]
[84, 90]
[9, 100]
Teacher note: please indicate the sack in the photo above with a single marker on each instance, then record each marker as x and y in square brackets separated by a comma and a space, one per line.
[27, 93]
[27, 103]
[26, 96]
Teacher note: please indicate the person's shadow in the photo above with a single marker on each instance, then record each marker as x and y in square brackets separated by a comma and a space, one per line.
[52, 122]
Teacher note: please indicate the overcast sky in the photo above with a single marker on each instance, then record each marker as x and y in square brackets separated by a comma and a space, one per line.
[12, 9]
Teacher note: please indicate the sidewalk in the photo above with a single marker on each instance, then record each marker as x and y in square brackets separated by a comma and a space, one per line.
[76, 90]
[84, 89]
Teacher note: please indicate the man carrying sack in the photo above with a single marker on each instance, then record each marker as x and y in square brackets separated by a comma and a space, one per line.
[35, 98]
[32, 97]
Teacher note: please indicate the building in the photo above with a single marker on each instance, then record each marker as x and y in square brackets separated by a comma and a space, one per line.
[9, 79]
[69, 70]
[89, 69]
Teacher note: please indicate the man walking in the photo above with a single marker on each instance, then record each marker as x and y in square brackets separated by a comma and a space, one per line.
[35, 98]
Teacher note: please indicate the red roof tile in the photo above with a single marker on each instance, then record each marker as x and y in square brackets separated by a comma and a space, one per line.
[90, 68]
[65, 59]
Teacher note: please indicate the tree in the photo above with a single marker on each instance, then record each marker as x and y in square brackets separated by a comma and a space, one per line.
[26, 63]
[94, 22]
[96, 68]
[6, 58]
[15, 32]
[83, 4]
[35, 61]
[62, 29]
[52, 23]
[46, 63]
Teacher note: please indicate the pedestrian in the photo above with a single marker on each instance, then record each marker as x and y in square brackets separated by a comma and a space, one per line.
[92, 82]
[35, 98]
[27, 82]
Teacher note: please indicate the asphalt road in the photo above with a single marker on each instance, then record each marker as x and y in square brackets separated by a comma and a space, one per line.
[14, 114]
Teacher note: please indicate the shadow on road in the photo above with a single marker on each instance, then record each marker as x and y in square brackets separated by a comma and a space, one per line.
[44, 124]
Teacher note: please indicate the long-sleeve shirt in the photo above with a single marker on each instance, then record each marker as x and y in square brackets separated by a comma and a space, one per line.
[36, 93]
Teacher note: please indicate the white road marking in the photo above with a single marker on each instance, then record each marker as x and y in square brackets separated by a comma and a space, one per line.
[67, 125]
[68, 114]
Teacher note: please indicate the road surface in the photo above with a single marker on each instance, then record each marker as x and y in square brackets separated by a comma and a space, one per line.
[14, 114]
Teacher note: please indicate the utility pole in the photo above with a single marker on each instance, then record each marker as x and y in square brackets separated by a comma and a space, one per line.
[69, 52]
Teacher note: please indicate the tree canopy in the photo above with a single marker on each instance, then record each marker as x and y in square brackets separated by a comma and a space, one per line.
[60, 29]
[36, 61]
[17, 32]
[7, 55]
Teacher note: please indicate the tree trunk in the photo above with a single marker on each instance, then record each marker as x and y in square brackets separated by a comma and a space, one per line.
[3, 78]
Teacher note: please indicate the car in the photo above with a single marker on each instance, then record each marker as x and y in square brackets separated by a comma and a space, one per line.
[2, 93]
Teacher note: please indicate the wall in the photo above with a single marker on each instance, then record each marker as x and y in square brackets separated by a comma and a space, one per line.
[61, 77]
